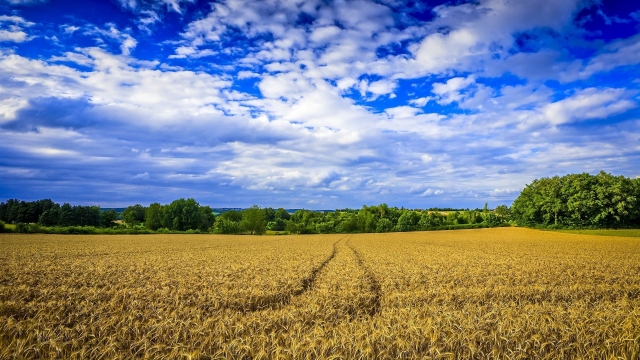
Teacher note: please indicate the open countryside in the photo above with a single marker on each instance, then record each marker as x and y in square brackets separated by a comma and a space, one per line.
[480, 293]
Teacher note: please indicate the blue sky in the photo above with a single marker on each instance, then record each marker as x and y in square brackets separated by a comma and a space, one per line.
[314, 104]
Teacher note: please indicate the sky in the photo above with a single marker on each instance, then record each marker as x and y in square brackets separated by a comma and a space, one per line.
[313, 104]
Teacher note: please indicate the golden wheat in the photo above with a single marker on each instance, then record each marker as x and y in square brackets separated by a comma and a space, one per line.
[491, 293]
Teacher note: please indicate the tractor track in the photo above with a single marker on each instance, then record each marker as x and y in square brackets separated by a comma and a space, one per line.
[374, 284]
[273, 301]
[307, 283]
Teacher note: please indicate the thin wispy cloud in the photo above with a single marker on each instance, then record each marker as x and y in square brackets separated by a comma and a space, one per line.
[314, 103]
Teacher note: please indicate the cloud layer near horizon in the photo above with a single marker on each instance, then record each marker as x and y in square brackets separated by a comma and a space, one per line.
[313, 104]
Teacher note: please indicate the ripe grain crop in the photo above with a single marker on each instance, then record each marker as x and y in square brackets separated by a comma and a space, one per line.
[488, 293]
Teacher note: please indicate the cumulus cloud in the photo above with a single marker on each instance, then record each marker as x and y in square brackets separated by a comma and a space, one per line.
[329, 104]
[470, 35]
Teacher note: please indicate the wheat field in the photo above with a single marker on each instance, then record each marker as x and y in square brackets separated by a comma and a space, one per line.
[507, 293]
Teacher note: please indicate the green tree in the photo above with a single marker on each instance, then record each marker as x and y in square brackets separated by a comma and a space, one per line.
[207, 218]
[134, 215]
[50, 217]
[384, 225]
[578, 200]
[231, 215]
[108, 218]
[154, 217]
[282, 214]
[269, 214]
[65, 215]
[277, 225]
[225, 226]
[254, 221]
[408, 221]
[502, 212]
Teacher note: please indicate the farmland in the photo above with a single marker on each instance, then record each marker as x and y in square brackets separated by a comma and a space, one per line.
[486, 293]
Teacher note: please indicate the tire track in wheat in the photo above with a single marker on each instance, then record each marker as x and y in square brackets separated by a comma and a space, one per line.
[374, 284]
[277, 300]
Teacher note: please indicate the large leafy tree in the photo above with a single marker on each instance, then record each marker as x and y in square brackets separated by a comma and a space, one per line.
[580, 200]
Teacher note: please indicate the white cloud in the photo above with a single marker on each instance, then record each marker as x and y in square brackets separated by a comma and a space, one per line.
[420, 102]
[450, 91]
[619, 53]
[13, 29]
[142, 176]
[377, 88]
[588, 104]
[475, 32]
[183, 52]
[13, 36]
[324, 34]
[171, 5]
[15, 19]
[247, 75]
[426, 158]
[70, 29]
[9, 107]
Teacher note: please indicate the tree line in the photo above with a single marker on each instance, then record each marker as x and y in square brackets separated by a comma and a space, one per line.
[579, 201]
[570, 201]
[47, 213]
[187, 215]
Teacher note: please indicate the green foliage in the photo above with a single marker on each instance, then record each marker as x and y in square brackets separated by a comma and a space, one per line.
[65, 215]
[108, 218]
[186, 215]
[207, 219]
[503, 212]
[579, 201]
[269, 214]
[408, 221]
[384, 225]
[282, 214]
[232, 215]
[50, 217]
[182, 215]
[154, 217]
[134, 215]
[254, 221]
[225, 226]
[277, 225]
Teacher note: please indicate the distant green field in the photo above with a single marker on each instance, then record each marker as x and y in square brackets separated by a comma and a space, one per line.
[623, 232]
[10, 226]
